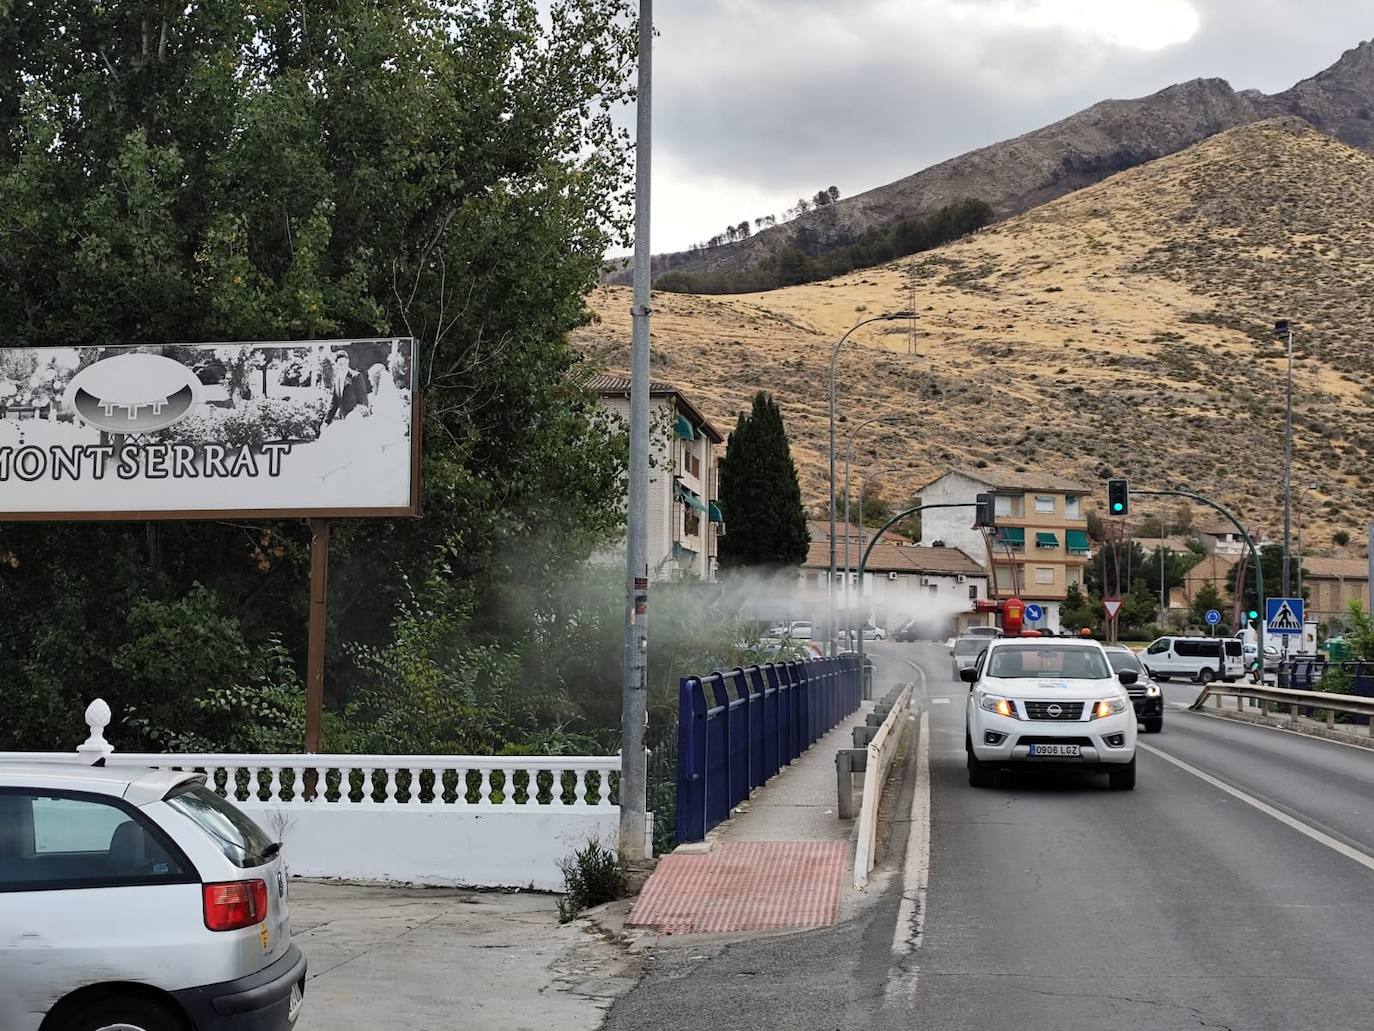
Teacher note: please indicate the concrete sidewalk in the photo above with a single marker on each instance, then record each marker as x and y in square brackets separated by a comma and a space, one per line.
[783, 858]
[434, 959]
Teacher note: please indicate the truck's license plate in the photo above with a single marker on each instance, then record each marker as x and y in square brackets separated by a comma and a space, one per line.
[1069, 751]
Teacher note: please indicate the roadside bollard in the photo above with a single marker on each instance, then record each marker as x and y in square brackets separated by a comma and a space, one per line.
[848, 761]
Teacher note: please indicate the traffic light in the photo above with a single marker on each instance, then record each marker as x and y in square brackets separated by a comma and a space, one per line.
[1118, 497]
[985, 516]
[1252, 615]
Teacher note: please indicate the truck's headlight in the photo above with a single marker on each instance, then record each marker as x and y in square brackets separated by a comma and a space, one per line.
[1108, 707]
[1152, 691]
[1001, 706]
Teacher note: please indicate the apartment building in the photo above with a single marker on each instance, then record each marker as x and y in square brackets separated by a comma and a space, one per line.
[1041, 545]
[684, 513]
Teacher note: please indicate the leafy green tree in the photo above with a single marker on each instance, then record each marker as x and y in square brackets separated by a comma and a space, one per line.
[1176, 566]
[1271, 565]
[1139, 609]
[759, 493]
[1208, 597]
[877, 509]
[239, 171]
[1078, 610]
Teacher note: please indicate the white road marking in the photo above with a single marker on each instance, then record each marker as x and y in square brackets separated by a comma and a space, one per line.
[911, 912]
[1215, 715]
[939, 701]
[1363, 858]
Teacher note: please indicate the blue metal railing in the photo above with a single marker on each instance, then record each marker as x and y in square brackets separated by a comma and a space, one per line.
[736, 730]
[1306, 675]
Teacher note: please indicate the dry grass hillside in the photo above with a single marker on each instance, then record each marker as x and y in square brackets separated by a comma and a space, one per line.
[1124, 329]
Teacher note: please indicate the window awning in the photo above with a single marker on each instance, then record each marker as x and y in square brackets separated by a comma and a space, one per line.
[716, 516]
[1077, 540]
[684, 428]
[1046, 540]
[1011, 535]
[690, 499]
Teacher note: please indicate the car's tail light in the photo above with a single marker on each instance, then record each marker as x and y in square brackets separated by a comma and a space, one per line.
[230, 905]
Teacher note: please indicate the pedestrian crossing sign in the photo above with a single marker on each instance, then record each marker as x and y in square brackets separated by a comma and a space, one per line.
[1283, 616]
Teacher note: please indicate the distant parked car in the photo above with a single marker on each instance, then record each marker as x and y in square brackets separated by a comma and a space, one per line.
[139, 900]
[797, 629]
[870, 632]
[907, 631]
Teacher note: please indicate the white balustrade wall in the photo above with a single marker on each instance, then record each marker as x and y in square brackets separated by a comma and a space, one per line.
[482, 821]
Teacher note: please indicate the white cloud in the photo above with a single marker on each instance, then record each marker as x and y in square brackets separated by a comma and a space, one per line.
[1137, 24]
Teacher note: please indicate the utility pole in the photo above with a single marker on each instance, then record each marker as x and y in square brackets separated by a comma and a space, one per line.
[1283, 328]
[634, 689]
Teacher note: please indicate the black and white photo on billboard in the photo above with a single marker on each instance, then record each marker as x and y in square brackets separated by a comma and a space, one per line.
[308, 426]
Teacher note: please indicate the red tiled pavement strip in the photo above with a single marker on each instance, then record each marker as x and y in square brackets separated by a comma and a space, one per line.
[745, 886]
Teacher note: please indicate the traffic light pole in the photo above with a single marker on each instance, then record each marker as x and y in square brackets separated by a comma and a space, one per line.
[878, 535]
[1254, 558]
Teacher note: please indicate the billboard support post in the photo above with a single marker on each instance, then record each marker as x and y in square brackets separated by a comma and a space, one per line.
[314, 663]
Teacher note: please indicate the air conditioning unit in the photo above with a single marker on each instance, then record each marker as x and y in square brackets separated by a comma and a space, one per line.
[959, 579]
[892, 576]
[925, 581]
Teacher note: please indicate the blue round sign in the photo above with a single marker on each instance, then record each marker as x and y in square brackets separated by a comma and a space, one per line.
[1213, 617]
[1034, 613]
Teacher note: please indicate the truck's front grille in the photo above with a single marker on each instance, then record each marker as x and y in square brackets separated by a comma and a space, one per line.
[1054, 710]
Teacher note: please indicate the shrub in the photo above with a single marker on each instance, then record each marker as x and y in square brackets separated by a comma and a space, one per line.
[253, 423]
[591, 876]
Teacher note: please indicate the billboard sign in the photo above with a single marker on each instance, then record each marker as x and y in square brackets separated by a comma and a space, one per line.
[308, 429]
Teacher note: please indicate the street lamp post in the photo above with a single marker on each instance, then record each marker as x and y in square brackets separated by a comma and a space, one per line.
[1301, 498]
[1284, 329]
[848, 456]
[830, 583]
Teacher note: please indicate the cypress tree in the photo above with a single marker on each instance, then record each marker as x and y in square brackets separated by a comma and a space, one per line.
[759, 494]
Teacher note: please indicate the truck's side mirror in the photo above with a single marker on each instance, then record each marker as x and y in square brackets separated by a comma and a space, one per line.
[1128, 677]
[969, 675]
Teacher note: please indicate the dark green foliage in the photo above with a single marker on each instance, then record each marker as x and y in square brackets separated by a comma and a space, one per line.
[591, 876]
[1208, 597]
[1340, 538]
[1078, 611]
[239, 171]
[810, 262]
[1271, 564]
[759, 494]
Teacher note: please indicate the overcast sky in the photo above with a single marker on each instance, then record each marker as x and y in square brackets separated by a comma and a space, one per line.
[758, 102]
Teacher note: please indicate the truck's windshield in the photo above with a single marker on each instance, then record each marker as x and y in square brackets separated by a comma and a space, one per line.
[1039, 660]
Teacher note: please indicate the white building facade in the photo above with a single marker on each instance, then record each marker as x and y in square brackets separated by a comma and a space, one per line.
[684, 512]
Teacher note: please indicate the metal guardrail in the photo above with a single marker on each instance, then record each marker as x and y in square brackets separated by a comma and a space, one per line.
[878, 762]
[1296, 701]
[736, 730]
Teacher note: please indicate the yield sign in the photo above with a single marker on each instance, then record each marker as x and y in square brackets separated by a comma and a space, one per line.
[1112, 607]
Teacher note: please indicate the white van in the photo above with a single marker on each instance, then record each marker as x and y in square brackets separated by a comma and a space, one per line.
[1203, 659]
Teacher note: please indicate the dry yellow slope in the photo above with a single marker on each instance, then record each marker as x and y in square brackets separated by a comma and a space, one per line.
[1124, 329]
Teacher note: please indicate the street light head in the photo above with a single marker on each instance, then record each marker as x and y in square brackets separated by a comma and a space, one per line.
[1282, 328]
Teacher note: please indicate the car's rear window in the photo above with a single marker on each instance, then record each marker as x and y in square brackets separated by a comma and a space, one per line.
[242, 841]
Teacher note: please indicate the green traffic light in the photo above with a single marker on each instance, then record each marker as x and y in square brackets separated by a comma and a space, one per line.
[1117, 507]
[1253, 614]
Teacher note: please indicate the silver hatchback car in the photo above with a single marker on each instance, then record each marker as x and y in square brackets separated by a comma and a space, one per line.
[139, 901]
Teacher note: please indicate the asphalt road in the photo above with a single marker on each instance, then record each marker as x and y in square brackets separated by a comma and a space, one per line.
[1233, 891]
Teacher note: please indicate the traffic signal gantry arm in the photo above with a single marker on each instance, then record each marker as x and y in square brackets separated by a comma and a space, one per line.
[985, 512]
[1254, 558]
